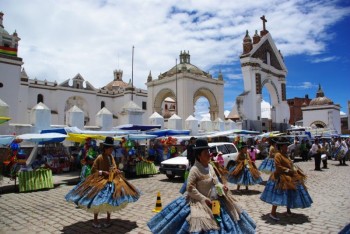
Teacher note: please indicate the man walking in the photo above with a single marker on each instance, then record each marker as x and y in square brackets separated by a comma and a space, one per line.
[316, 153]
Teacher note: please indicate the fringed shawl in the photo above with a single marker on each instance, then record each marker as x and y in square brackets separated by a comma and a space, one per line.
[199, 185]
[287, 180]
[243, 161]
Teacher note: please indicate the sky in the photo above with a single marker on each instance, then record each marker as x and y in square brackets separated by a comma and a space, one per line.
[61, 38]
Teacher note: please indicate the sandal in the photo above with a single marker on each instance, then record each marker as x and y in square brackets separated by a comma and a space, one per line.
[274, 217]
[96, 225]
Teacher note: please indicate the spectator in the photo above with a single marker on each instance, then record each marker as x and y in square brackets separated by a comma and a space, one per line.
[315, 150]
[190, 153]
[253, 153]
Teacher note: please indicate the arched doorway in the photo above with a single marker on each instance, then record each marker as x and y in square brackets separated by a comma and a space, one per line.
[213, 104]
[161, 105]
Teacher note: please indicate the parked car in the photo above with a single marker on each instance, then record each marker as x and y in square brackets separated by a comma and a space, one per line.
[178, 165]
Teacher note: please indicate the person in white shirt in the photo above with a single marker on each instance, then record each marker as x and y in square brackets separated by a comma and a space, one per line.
[315, 150]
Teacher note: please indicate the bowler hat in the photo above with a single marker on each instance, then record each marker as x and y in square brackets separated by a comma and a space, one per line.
[109, 142]
[201, 144]
[281, 141]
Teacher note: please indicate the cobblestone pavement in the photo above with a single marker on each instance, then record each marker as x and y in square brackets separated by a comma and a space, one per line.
[47, 211]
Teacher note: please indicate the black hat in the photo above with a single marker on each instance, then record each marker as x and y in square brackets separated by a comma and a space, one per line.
[201, 144]
[281, 141]
[193, 138]
[109, 142]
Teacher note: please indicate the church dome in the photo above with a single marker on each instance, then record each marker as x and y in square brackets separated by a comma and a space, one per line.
[185, 66]
[117, 82]
[320, 99]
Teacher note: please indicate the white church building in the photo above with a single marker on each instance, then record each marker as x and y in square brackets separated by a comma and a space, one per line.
[322, 114]
[21, 93]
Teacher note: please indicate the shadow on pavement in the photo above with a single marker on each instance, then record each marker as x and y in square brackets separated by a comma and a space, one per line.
[245, 192]
[295, 218]
[174, 180]
[118, 226]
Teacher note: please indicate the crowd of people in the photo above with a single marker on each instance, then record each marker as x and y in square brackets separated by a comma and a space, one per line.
[205, 204]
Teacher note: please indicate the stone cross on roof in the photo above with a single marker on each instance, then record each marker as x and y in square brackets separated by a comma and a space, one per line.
[264, 31]
[264, 21]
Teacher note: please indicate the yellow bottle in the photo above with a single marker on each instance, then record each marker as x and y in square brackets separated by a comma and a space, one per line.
[215, 207]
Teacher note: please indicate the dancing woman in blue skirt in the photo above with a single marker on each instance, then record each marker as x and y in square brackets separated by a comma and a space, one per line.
[268, 164]
[245, 171]
[285, 186]
[106, 189]
[208, 206]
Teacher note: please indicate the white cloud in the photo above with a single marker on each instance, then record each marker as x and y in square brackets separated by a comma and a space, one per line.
[226, 113]
[63, 38]
[323, 60]
[303, 85]
[265, 109]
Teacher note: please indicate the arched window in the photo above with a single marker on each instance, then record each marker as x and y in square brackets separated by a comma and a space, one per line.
[166, 106]
[103, 104]
[40, 98]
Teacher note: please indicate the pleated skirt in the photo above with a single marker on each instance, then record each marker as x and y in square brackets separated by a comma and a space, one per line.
[172, 219]
[244, 178]
[299, 198]
[103, 201]
[267, 166]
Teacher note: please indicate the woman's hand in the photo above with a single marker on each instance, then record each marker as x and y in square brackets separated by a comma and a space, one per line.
[208, 202]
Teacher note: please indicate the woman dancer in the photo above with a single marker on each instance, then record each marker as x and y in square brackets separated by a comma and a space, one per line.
[268, 165]
[245, 171]
[106, 189]
[209, 207]
[285, 186]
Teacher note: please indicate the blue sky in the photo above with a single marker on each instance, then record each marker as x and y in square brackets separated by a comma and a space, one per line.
[60, 39]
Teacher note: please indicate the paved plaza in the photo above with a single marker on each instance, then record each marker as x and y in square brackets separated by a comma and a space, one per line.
[47, 211]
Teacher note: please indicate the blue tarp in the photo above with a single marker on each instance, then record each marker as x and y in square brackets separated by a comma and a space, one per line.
[169, 132]
[137, 127]
[54, 130]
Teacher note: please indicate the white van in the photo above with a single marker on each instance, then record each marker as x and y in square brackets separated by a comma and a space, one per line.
[178, 165]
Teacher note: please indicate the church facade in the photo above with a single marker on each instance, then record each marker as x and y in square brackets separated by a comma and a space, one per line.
[21, 93]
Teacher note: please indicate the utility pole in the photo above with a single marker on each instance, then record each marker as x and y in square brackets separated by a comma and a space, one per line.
[132, 75]
[176, 86]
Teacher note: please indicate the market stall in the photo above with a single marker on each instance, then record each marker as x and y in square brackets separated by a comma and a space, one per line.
[135, 160]
[35, 172]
